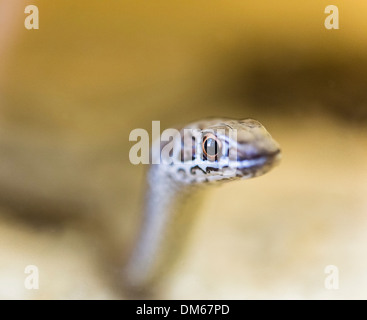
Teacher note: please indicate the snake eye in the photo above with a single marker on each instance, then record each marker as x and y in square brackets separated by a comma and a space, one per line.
[211, 146]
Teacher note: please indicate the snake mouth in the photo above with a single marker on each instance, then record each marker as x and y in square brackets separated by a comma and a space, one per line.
[270, 157]
[259, 164]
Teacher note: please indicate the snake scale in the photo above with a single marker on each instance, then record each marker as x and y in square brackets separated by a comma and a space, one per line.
[204, 153]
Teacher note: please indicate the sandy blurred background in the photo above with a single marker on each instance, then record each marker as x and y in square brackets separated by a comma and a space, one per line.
[71, 92]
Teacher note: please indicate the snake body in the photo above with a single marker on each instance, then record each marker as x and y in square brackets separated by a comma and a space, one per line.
[205, 153]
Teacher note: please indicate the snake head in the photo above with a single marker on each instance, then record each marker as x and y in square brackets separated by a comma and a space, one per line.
[223, 149]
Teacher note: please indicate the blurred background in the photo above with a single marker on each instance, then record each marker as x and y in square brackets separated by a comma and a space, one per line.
[71, 92]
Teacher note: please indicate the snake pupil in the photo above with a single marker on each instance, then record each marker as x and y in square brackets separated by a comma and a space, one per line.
[211, 147]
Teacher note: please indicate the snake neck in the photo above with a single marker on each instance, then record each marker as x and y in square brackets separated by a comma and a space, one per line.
[169, 209]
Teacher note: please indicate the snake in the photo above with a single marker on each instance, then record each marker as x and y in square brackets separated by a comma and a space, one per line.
[204, 153]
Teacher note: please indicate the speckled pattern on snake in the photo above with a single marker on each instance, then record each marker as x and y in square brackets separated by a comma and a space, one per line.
[207, 153]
